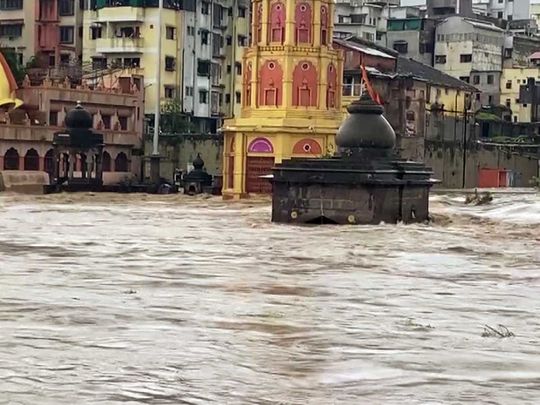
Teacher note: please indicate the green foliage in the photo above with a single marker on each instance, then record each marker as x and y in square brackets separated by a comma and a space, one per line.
[173, 120]
[485, 116]
[16, 68]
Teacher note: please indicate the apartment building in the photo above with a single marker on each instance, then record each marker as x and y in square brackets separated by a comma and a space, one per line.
[503, 9]
[412, 38]
[472, 51]
[49, 30]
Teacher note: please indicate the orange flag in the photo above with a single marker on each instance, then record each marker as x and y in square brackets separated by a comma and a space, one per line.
[374, 95]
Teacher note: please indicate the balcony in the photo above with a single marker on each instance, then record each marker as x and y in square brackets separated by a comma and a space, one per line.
[119, 45]
[120, 14]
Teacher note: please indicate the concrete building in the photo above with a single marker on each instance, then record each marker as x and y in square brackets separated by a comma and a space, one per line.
[503, 9]
[46, 29]
[444, 8]
[215, 36]
[291, 99]
[363, 18]
[413, 38]
[471, 51]
[123, 34]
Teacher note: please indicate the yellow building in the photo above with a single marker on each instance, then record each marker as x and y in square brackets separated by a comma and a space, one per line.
[126, 35]
[511, 80]
[291, 95]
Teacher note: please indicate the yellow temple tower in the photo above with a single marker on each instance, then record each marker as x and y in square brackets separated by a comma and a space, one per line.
[291, 93]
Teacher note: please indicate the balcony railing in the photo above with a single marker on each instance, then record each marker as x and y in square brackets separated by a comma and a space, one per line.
[120, 44]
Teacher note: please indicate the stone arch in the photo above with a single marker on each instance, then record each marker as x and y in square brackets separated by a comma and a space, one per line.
[276, 29]
[271, 84]
[331, 86]
[247, 84]
[48, 161]
[11, 159]
[106, 162]
[307, 146]
[305, 84]
[325, 29]
[260, 145]
[31, 160]
[303, 17]
[121, 163]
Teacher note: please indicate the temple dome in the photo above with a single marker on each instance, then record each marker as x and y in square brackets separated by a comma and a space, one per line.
[79, 118]
[365, 127]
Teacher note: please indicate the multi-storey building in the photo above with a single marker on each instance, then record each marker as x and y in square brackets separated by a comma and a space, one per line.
[472, 51]
[46, 29]
[503, 9]
[123, 34]
[363, 18]
[215, 35]
[443, 8]
[413, 38]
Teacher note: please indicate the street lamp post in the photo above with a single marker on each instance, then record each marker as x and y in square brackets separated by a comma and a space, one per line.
[155, 158]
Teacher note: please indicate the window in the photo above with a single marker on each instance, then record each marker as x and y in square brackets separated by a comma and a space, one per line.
[205, 8]
[490, 100]
[11, 4]
[95, 32]
[500, 15]
[440, 59]
[11, 30]
[189, 91]
[66, 35]
[66, 7]
[509, 18]
[123, 121]
[190, 30]
[229, 69]
[489, 79]
[64, 59]
[401, 46]
[203, 68]
[464, 79]
[229, 40]
[524, 105]
[203, 96]
[508, 102]
[242, 12]
[106, 121]
[476, 79]
[379, 35]
[242, 40]
[509, 84]
[465, 58]
[238, 68]
[238, 97]
[169, 92]
[170, 33]
[204, 37]
[53, 118]
[170, 64]
[227, 98]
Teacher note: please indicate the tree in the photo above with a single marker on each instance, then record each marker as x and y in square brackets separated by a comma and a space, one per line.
[173, 120]
[12, 60]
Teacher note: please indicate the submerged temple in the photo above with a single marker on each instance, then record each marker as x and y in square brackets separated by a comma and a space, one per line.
[364, 183]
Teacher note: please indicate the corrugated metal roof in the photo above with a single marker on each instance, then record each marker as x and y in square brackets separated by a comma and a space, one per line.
[364, 49]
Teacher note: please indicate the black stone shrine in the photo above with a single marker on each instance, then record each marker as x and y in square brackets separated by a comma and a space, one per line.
[364, 183]
[198, 180]
[78, 142]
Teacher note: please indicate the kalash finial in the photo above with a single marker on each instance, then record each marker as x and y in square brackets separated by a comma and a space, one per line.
[365, 127]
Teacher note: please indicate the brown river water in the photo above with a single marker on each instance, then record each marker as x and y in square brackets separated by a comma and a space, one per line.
[134, 299]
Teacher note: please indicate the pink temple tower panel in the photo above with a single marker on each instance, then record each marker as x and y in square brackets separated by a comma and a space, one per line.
[271, 84]
[260, 145]
[332, 84]
[324, 25]
[247, 84]
[258, 24]
[276, 31]
[305, 85]
[303, 18]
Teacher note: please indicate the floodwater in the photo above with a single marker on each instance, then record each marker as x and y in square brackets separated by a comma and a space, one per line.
[134, 299]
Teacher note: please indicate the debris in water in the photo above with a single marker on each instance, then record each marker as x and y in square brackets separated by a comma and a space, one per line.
[502, 332]
[479, 199]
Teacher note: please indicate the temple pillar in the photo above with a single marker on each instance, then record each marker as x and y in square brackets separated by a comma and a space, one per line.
[21, 162]
[316, 26]
[240, 155]
[1, 162]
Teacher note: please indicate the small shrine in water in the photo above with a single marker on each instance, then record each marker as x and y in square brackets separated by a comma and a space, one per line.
[78, 143]
[364, 183]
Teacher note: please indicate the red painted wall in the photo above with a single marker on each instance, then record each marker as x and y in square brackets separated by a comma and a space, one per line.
[276, 31]
[305, 84]
[303, 22]
[271, 84]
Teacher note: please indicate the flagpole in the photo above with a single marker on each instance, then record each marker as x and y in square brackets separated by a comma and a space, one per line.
[154, 159]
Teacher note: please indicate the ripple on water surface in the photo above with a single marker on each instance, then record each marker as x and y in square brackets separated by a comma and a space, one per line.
[168, 300]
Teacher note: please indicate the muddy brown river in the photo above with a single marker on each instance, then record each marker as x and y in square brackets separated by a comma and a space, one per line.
[108, 299]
